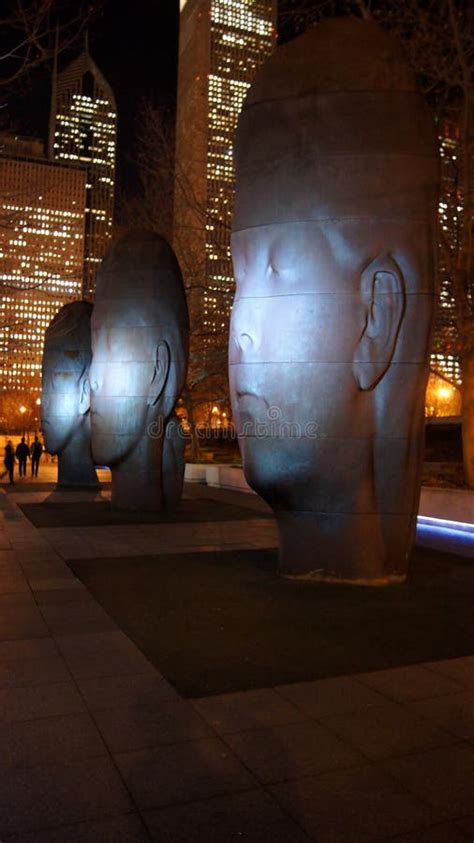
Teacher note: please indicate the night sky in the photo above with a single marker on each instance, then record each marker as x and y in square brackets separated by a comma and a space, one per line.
[135, 45]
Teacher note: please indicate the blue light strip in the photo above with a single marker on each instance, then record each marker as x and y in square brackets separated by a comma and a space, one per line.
[444, 524]
[461, 532]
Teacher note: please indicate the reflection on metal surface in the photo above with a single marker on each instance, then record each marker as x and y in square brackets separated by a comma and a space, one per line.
[140, 351]
[333, 249]
[65, 417]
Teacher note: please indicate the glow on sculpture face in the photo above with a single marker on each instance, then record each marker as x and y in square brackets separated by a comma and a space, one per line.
[121, 376]
[297, 322]
[62, 387]
[287, 326]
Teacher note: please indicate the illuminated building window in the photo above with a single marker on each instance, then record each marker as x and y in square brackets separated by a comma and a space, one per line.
[42, 251]
[83, 130]
[445, 357]
[212, 84]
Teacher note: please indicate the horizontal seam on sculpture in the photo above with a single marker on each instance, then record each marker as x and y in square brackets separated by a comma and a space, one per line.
[332, 91]
[387, 153]
[341, 218]
[326, 437]
[351, 294]
[328, 362]
[376, 512]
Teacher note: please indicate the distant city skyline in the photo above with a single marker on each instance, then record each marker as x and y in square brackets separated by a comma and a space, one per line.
[42, 206]
[83, 131]
[56, 215]
[138, 59]
[222, 44]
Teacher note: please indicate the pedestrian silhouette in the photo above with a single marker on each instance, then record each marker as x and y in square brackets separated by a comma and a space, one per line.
[9, 461]
[36, 451]
[22, 454]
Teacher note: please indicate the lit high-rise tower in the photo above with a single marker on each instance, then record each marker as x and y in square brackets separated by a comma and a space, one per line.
[445, 357]
[83, 130]
[221, 45]
[41, 254]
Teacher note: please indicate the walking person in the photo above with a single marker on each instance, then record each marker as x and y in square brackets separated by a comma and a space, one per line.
[36, 451]
[22, 454]
[9, 461]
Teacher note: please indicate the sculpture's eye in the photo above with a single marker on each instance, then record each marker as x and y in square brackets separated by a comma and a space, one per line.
[240, 262]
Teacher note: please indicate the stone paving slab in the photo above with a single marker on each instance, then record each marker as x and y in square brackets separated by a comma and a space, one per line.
[386, 731]
[109, 692]
[414, 682]
[354, 805]
[445, 833]
[253, 815]
[443, 778]
[38, 797]
[183, 772]
[461, 670]
[139, 727]
[128, 828]
[40, 671]
[108, 653]
[337, 695]
[50, 740]
[250, 710]
[27, 650]
[145, 539]
[293, 751]
[30, 702]
[451, 712]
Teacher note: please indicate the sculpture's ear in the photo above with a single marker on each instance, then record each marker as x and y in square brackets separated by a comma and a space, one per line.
[84, 394]
[160, 374]
[383, 294]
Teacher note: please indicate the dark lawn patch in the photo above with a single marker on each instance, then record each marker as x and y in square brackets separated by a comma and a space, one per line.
[101, 514]
[218, 622]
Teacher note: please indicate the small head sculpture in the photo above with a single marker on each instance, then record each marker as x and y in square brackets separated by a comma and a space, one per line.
[65, 370]
[140, 345]
[333, 251]
[65, 418]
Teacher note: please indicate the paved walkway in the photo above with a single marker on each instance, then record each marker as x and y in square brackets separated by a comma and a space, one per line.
[96, 746]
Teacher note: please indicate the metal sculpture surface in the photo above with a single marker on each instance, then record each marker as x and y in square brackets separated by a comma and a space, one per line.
[65, 418]
[140, 350]
[333, 247]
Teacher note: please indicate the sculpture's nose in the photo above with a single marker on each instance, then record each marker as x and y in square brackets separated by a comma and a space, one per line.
[94, 380]
[245, 329]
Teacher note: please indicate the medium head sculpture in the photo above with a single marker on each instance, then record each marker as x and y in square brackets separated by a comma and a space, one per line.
[65, 418]
[333, 249]
[140, 345]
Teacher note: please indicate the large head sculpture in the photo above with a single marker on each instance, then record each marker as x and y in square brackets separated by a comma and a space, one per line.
[333, 251]
[65, 419]
[140, 344]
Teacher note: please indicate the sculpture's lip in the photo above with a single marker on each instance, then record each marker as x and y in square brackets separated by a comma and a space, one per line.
[247, 397]
[246, 393]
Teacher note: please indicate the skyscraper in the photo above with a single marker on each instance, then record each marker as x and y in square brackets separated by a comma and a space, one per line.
[445, 356]
[221, 45]
[83, 129]
[41, 254]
